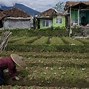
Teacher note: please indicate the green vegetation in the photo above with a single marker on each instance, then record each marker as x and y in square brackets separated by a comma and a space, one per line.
[52, 61]
[39, 32]
[56, 41]
[53, 69]
[71, 41]
[42, 41]
[84, 41]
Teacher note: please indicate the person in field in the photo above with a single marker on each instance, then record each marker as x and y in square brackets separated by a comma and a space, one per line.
[10, 64]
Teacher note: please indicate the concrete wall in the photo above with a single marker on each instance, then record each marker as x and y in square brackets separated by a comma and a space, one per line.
[17, 24]
[53, 23]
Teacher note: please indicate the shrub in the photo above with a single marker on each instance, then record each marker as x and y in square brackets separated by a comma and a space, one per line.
[39, 32]
[76, 31]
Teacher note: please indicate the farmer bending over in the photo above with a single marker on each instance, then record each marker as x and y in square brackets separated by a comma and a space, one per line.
[10, 64]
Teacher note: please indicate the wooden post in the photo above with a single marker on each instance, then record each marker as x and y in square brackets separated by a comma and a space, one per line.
[70, 23]
[4, 40]
[78, 16]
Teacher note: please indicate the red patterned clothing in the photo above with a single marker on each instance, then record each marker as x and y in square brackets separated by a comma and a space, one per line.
[8, 63]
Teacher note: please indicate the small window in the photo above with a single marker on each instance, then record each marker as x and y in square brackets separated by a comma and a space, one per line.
[46, 23]
[59, 20]
[43, 23]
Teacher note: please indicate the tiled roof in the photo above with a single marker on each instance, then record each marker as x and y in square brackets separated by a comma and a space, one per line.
[14, 12]
[49, 13]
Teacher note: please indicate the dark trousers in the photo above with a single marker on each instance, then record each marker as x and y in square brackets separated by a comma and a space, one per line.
[1, 77]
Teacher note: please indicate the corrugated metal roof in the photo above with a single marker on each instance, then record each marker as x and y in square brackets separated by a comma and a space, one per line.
[75, 3]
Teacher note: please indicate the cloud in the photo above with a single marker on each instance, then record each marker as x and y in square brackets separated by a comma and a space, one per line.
[35, 4]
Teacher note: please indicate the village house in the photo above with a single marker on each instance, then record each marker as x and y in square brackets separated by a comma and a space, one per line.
[78, 14]
[15, 19]
[50, 19]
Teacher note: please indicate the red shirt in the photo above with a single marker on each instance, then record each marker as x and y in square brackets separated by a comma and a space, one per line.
[8, 63]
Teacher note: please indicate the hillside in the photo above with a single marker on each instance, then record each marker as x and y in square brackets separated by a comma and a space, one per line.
[24, 8]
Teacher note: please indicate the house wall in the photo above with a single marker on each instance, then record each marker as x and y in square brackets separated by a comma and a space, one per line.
[14, 24]
[44, 27]
[74, 16]
[60, 24]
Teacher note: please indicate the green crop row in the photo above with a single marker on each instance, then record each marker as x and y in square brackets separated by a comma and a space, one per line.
[43, 40]
[22, 40]
[71, 41]
[56, 41]
[48, 48]
[84, 41]
[26, 40]
[15, 38]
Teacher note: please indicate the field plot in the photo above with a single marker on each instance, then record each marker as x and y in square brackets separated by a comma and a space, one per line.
[71, 41]
[53, 69]
[84, 41]
[56, 41]
[36, 87]
[42, 41]
[22, 40]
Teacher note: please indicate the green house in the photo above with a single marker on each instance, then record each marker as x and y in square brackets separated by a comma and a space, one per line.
[50, 19]
[78, 13]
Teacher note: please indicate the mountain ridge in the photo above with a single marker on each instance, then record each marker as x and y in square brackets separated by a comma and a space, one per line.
[22, 7]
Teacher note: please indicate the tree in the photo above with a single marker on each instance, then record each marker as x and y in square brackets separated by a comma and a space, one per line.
[59, 6]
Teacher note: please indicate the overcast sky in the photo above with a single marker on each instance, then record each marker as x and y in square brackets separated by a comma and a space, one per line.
[39, 5]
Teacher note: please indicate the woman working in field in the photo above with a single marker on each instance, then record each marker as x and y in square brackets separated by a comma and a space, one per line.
[10, 64]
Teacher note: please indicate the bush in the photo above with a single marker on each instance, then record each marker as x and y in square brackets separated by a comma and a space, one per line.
[77, 31]
[39, 32]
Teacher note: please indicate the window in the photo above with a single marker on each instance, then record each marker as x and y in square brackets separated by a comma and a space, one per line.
[43, 23]
[59, 20]
[47, 23]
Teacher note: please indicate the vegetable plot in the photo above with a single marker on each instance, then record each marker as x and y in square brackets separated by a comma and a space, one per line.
[42, 41]
[56, 41]
[71, 41]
